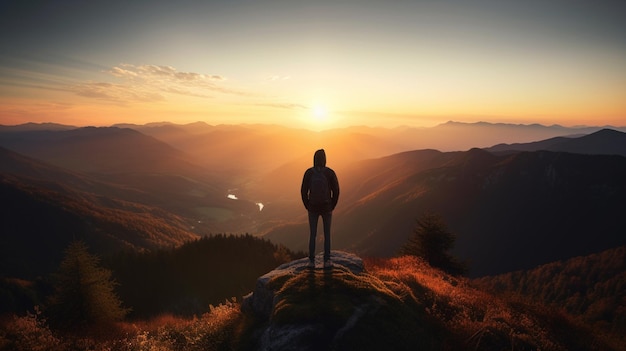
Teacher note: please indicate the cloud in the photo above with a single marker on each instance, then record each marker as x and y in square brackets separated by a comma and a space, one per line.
[288, 106]
[123, 73]
[155, 83]
[152, 83]
[155, 73]
[116, 93]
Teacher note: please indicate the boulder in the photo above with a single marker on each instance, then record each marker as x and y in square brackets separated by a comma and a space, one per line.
[261, 302]
[296, 307]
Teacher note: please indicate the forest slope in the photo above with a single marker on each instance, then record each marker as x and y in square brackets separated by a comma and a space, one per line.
[42, 219]
[509, 212]
[592, 287]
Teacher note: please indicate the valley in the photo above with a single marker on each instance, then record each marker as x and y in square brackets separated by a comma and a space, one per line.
[512, 206]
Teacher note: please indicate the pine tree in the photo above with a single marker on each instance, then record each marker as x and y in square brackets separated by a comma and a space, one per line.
[432, 241]
[84, 291]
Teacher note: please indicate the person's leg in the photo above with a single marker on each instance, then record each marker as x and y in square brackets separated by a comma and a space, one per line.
[313, 217]
[327, 218]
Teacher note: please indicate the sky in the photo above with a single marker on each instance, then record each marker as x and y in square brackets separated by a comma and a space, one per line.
[313, 64]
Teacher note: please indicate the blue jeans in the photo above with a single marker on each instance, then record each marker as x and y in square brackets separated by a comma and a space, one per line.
[313, 219]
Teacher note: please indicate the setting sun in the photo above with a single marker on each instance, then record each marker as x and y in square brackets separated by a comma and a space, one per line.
[318, 66]
[319, 117]
[320, 113]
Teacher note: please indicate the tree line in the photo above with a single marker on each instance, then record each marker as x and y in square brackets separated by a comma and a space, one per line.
[592, 287]
[186, 280]
[88, 290]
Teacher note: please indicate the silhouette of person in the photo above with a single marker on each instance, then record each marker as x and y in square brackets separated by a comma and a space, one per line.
[319, 178]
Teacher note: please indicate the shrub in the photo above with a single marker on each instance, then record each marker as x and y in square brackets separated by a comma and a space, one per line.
[28, 333]
[432, 241]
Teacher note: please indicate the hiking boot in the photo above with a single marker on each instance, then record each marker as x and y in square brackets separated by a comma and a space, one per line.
[327, 264]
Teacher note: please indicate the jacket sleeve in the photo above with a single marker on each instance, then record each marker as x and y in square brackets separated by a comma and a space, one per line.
[304, 189]
[334, 187]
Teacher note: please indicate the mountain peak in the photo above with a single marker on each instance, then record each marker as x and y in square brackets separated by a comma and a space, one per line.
[609, 132]
[605, 141]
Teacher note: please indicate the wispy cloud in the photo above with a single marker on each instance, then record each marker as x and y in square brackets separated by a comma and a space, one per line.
[280, 105]
[277, 78]
[116, 92]
[125, 84]
[154, 73]
[152, 83]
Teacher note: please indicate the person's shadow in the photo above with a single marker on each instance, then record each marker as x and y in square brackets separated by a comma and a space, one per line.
[320, 295]
[319, 281]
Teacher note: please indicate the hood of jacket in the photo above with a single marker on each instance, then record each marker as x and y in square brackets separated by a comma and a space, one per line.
[319, 159]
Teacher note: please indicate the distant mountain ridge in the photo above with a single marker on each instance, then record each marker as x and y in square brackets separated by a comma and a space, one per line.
[603, 142]
[99, 150]
[27, 127]
[449, 136]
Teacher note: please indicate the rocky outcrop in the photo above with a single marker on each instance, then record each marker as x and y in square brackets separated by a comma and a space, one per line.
[296, 307]
[261, 302]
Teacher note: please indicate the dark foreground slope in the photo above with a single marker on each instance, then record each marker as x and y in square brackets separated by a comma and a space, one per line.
[396, 304]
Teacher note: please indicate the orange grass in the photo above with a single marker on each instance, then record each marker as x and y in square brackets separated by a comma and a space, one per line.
[213, 330]
[478, 318]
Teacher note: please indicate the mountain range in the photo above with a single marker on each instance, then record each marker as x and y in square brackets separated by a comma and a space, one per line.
[603, 142]
[47, 207]
[512, 206]
[509, 212]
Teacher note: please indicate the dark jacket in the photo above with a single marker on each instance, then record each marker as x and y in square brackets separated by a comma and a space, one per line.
[319, 162]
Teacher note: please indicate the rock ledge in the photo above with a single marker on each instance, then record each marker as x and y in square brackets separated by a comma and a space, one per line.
[261, 302]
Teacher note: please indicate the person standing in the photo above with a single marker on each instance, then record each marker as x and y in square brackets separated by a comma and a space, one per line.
[320, 193]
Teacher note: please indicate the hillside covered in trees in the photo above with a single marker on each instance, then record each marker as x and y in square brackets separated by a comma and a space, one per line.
[182, 281]
[591, 287]
[186, 280]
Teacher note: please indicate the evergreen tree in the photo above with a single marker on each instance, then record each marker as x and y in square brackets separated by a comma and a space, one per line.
[432, 241]
[84, 291]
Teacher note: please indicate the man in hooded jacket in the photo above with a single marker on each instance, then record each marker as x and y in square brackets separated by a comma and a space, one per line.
[317, 208]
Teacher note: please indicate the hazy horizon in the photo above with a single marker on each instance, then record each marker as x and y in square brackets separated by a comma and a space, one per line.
[318, 65]
[330, 128]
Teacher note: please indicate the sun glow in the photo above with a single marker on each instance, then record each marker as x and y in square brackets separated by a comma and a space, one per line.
[319, 117]
[320, 113]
